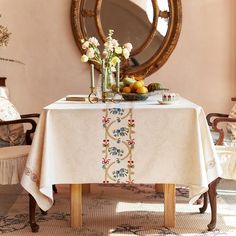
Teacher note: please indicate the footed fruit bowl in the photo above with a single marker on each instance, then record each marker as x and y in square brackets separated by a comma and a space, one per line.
[141, 96]
[135, 96]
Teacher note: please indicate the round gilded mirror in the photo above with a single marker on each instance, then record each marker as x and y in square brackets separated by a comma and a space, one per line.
[152, 26]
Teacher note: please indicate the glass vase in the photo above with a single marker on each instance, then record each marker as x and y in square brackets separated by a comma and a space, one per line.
[109, 81]
[105, 83]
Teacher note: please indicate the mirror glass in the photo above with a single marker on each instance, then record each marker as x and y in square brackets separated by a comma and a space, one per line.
[149, 25]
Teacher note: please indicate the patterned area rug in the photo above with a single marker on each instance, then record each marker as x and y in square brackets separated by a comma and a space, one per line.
[120, 210]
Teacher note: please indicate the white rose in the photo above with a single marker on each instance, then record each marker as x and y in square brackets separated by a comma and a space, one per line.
[118, 50]
[105, 53]
[129, 46]
[115, 43]
[94, 41]
[85, 45]
[115, 60]
[90, 53]
[84, 58]
[113, 69]
[126, 53]
[108, 46]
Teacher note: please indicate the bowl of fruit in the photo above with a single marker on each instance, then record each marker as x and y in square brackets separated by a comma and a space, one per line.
[134, 89]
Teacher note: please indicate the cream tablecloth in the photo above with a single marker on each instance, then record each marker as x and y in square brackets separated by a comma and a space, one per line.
[143, 142]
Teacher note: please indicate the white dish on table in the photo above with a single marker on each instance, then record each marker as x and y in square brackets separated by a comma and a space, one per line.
[166, 102]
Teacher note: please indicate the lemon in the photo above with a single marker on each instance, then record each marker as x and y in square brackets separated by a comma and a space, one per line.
[142, 81]
[137, 84]
[142, 90]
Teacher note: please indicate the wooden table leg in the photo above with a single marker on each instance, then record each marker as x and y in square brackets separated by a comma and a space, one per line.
[86, 188]
[213, 203]
[169, 205]
[76, 205]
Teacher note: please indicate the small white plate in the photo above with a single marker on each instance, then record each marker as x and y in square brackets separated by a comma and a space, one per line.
[166, 102]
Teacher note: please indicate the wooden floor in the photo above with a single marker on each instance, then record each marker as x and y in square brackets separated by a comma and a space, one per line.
[8, 196]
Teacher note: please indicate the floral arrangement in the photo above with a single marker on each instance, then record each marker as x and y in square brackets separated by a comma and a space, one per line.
[112, 54]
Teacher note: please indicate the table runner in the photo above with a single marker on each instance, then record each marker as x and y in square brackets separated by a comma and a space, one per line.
[142, 142]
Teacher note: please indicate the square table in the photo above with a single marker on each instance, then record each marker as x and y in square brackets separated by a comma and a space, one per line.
[128, 142]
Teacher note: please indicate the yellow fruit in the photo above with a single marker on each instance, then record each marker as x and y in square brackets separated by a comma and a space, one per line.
[138, 84]
[142, 90]
[142, 81]
[126, 90]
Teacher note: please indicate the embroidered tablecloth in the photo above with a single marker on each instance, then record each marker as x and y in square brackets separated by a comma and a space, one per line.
[130, 142]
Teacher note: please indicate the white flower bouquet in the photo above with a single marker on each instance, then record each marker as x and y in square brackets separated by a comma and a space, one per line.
[112, 54]
[109, 61]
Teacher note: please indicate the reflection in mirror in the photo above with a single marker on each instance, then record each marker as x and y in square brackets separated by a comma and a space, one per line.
[162, 26]
[136, 27]
[152, 26]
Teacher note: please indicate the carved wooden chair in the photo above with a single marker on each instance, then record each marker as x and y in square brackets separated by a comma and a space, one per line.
[13, 159]
[14, 150]
[226, 151]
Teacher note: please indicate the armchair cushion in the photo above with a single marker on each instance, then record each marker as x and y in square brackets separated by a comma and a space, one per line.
[227, 158]
[231, 127]
[12, 134]
[12, 163]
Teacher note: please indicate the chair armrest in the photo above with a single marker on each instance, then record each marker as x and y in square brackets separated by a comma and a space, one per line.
[210, 115]
[215, 127]
[21, 121]
[30, 115]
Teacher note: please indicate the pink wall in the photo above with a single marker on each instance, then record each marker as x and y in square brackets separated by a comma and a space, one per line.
[202, 67]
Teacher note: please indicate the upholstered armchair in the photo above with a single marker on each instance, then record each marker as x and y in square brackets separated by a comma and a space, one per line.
[13, 159]
[221, 136]
[16, 132]
[223, 128]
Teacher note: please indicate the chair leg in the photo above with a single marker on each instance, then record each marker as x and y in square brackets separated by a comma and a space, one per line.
[205, 203]
[32, 206]
[213, 203]
[54, 188]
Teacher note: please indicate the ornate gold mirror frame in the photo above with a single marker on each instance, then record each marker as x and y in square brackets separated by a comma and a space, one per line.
[79, 13]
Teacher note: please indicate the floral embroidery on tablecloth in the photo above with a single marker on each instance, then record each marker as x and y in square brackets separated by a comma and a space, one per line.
[118, 145]
[34, 177]
[210, 164]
